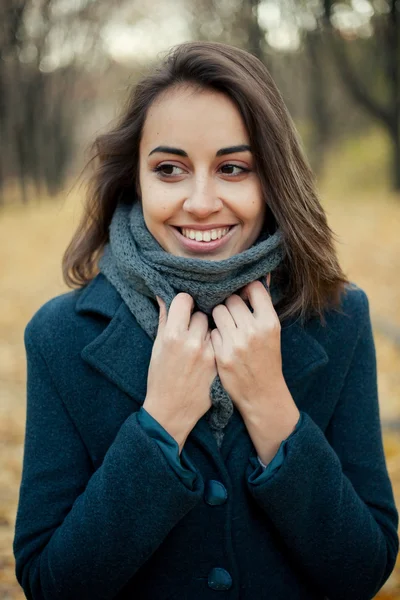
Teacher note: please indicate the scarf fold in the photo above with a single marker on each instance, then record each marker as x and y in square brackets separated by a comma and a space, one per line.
[139, 268]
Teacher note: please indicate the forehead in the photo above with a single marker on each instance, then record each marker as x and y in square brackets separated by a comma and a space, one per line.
[190, 118]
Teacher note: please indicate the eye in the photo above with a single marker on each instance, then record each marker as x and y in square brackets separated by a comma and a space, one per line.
[168, 170]
[233, 170]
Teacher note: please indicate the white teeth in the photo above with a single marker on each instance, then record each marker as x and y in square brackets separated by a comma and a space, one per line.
[205, 236]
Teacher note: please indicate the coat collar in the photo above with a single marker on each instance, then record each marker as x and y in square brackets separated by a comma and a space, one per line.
[122, 351]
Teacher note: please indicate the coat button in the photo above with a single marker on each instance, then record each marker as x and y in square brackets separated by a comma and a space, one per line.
[219, 579]
[215, 492]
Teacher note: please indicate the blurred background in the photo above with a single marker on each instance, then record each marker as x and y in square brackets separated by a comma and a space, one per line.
[66, 66]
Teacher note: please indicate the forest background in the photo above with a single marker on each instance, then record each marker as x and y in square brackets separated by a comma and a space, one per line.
[65, 68]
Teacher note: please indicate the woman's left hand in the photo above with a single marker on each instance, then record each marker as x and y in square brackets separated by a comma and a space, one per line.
[247, 348]
[247, 345]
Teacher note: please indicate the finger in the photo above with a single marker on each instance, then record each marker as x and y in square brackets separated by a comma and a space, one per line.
[180, 312]
[238, 309]
[162, 316]
[199, 324]
[216, 341]
[224, 320]
[259, 299]
[269, 282]
[244, 296]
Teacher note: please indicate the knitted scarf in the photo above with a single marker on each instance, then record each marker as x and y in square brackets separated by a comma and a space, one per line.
[139, 268]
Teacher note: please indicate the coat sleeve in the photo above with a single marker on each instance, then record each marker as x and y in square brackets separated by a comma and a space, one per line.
[83, 533]
[332, 502]
[180, 464]
[263, 472]
[183, 466]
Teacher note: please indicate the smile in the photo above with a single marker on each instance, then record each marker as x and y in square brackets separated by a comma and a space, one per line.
[205, 240]
[204, 236]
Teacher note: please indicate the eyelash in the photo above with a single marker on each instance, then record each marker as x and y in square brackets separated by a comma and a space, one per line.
[159, 168]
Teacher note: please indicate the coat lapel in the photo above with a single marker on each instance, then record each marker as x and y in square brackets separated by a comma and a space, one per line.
[122, 351]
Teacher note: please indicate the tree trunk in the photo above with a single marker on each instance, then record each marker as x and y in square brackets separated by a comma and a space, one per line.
[387, 114]
[393, 57]
[317, 101]
[255, 32]
[394, 133]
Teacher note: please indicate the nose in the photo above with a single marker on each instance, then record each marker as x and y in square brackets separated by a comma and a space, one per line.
[203, 200]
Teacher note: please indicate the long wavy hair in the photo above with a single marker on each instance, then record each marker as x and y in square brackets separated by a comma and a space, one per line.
[310, 275]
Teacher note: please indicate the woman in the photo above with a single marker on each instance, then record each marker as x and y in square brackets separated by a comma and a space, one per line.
[202, 411]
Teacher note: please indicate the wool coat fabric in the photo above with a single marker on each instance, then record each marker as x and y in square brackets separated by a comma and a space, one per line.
[102, 514]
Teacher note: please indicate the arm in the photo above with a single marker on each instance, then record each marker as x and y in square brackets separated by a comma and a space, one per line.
[179, 463]
[332, 502]
[72, 522]
[263, 472]
[182, 465]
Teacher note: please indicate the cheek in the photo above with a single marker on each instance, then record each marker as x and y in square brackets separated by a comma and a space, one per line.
[154, 201]
[253, 210]
[154, 212]
[258, 206]
[157, 210]
[148, 186]
[157, 193]
[258, 210]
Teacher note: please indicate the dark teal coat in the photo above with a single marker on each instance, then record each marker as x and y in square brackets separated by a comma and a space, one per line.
[103, 515]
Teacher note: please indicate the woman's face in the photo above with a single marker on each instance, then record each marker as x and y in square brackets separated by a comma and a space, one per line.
[200, 194]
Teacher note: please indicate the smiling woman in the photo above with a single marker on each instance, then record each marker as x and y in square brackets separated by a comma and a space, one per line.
[202, 411]
[202, 185]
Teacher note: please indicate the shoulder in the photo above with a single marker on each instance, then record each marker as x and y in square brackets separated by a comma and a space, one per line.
[54, 312]
[344, 324]
[354, 311]
[352, 315]
[354, 302]
[57, 324]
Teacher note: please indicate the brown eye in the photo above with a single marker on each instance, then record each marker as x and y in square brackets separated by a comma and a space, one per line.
[233, 170]
[168, 170]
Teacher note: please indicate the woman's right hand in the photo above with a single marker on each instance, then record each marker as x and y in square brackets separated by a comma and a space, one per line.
[182, 368]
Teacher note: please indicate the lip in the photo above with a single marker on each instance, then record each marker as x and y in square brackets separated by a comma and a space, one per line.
[203, 247]
[206, 227]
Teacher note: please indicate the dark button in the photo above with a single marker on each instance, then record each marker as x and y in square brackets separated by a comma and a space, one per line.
[219, 579]
[215, 492]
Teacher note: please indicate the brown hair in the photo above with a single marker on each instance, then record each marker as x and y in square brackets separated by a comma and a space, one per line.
[310, 274]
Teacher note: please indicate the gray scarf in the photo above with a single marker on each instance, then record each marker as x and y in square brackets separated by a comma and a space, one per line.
[139, 268]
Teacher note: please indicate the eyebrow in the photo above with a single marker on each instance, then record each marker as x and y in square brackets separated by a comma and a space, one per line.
[221, 152]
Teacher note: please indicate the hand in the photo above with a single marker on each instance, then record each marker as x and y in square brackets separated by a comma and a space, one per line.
[182, 368]
[247, 346]
[247, 349]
